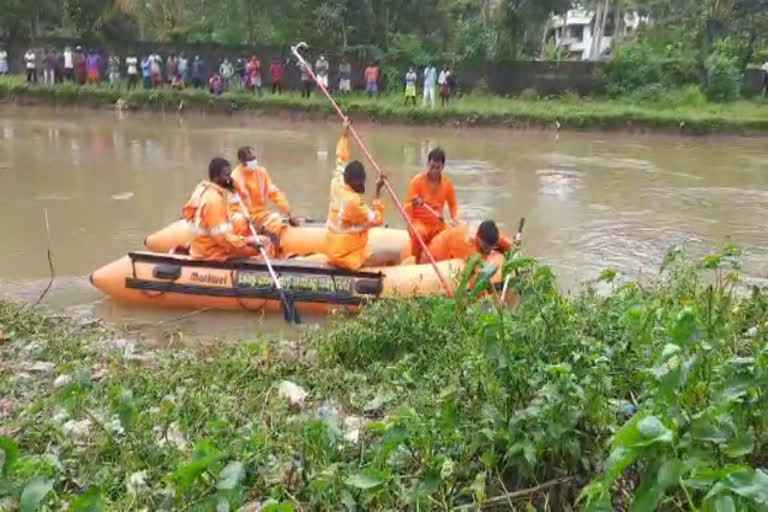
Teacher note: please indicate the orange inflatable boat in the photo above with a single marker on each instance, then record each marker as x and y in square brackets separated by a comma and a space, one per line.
[167, 280]
[162, 279]
[389, 245]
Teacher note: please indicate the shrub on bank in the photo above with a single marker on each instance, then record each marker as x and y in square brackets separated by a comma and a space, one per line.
[632, 66]
[724, 78]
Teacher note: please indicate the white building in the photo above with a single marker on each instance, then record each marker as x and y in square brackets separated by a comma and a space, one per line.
[574, 32]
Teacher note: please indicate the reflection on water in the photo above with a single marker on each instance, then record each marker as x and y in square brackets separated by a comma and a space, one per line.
[592, 200]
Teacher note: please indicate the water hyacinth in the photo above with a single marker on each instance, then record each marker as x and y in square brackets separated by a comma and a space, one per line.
[645, 396]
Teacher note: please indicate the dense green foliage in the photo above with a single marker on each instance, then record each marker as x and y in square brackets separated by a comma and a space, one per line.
[706, 42]
[683, 110]
[652, 395]
[418, 28]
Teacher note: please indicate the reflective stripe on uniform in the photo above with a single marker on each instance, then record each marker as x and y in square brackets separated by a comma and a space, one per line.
[221, 229]
[338, 226]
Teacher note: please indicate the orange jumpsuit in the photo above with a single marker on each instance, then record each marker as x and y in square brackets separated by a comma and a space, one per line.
[349, 218]
[342, 159]
[207, 213]
[461, 242]
[256, 188]
[425, 222]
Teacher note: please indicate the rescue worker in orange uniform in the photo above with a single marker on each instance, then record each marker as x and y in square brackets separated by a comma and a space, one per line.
[349, 217]
[207, 213]
[254, 186]
[428, 194]
[463, 241]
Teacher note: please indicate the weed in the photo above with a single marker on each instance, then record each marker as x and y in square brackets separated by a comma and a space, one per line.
[654, 393]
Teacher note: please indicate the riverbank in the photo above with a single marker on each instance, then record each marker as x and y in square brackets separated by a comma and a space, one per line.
[654, 394]
[680, 112]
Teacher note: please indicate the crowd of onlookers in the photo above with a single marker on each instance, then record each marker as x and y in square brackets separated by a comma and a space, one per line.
[80, 66]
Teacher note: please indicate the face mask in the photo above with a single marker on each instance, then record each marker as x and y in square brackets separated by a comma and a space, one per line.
[252, 164]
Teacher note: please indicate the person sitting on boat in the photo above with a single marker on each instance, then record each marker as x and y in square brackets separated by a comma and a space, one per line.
[464, 240]
[207, 212]
[254, 185]
[428, 194]
[349, 217]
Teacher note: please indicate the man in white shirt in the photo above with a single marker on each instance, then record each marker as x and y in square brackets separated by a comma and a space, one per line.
[3, 62]
[69, 64]
[30, 58]
[132, 70]
[765, 78]
[321, 71]
[430, 80]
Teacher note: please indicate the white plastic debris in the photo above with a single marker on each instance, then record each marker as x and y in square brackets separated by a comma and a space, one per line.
[77, 431]
[173, 435]
[292, 392]
[353, 425]
[62, 380]
[136, 483]
[38, 366]
[60, 415]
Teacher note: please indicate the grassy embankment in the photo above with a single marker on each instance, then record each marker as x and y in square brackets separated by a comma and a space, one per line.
[678, 111]
[654, 395]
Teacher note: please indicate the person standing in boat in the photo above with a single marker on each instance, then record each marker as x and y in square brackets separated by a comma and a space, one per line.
[349, 217]
[254, 185]
[207, 213]
[464, 240]
[428, 194]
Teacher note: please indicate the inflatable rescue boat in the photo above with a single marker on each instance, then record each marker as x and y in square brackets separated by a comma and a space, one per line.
[161, 279]
[167, 280]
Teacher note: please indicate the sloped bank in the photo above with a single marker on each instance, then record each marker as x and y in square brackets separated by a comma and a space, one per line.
[569, 113]
[655, 394]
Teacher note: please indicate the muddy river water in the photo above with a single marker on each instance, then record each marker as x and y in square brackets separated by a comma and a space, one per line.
[592, 200]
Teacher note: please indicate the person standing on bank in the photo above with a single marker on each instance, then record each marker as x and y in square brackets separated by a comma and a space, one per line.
[321, 69]
[69, 64]
[49, 67]
[765, 78]
[306, 80]
[3, 62]
[410, 86]
[442, 83]
[198, 72]
[253, 74]
[430, 79]
[93, 67]
[132, 70]
[345, 76]
[80, 71]
[276, 75]
[182, 69]
[30, 60]
[372, 80]
[114, 71]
